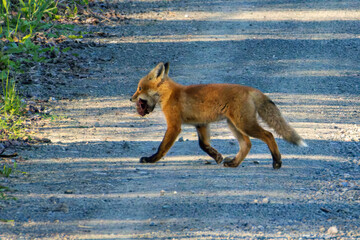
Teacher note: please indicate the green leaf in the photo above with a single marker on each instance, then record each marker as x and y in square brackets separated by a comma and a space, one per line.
[75, 36]
[22, 2]
[26, 37]
[14, 50]
[3, 75]
[66, 49]
[6, 221]
[6, 7]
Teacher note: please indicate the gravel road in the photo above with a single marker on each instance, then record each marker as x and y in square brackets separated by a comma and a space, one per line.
[88, 182]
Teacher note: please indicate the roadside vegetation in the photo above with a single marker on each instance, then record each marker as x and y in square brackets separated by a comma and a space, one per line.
[30, 33]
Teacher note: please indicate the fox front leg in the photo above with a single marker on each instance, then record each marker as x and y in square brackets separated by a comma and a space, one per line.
[170, 136]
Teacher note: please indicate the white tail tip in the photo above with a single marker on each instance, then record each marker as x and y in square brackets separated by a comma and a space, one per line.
[301, 143]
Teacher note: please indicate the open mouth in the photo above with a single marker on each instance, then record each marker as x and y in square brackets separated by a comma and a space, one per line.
[142, 107]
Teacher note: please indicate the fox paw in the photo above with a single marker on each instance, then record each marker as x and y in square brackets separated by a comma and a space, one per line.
[277, 165]
[218, 159]
[147, 160]
[230, 162]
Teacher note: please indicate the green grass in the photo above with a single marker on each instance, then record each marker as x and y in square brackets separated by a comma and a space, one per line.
[3, 194]
[12, 110]
[20, 20]
[6, 171]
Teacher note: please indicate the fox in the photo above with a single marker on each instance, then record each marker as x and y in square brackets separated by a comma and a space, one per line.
[201, 104]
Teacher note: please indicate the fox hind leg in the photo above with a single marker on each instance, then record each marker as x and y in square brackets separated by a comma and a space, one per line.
[204, 142]
[268, 138]
[244, 144]
[253, 129]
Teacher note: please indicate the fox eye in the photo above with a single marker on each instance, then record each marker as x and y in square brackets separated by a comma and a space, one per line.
[140, 88]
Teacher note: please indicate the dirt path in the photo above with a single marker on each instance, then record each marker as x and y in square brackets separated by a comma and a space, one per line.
[88, 183]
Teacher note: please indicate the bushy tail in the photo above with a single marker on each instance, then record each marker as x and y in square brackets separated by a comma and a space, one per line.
[269, 112]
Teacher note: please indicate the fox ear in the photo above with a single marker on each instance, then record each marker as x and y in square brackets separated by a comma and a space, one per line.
[158, 71]
[167, 66]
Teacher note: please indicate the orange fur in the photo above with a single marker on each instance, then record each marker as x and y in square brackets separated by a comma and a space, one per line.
[202, 104]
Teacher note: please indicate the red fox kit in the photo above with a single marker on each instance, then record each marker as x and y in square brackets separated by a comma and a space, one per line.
[199, 105]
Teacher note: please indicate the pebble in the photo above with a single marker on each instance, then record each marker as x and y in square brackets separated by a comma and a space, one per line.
[346, 175]
[325, 210]
[181, 139]
[62, 208]
[97, 124]
[264, 201]
[162, 192]
[2, 148]
[125, 145]
[54, 200]
[332, 230]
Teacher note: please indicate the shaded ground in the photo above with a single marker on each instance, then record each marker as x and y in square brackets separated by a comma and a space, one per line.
[88, 183]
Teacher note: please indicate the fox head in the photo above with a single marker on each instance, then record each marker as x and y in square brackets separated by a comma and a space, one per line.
[147, 95]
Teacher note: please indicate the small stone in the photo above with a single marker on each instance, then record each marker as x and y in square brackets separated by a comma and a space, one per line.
[125, 145]
[54, 200]
[175, 192]
[256, 162]
[332, 230]
[265, 201]
[181, 139]
[42, 140]
[62, 208]
[346, 175]
[2, 148]
[69, 191]
[97, 124]
[345, 184]
[325, 210]
[162, 192]
[152, 224]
